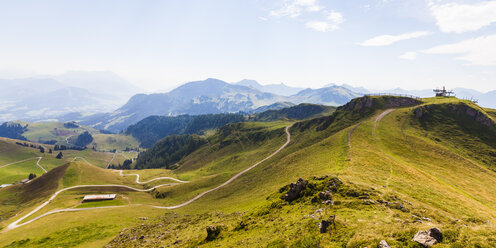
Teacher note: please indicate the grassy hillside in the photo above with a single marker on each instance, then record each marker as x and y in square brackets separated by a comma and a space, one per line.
[151, 129]
[392, 170]
[67, 133]
[299, 112]
[85, 227]
[425, 182]
[17, 162]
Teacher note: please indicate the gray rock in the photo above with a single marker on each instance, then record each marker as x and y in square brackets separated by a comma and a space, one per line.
[383, 244]
[429, 237]
[324, 225]
[419, 112]
[212, 232]
[324, 196]
[295, 189]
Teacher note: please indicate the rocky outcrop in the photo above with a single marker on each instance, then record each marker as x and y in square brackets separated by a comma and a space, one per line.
[458, 109]
[295, 189]
[428, 238]
[212, 232]
[479, 116]
[419, 112]
[367, 102]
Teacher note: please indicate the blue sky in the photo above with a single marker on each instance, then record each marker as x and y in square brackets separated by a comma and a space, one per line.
[378, 44]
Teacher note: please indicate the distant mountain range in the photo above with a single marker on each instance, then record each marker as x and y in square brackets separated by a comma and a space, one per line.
[278, 89]
[105, 101]
[42, 98]
[213, 96]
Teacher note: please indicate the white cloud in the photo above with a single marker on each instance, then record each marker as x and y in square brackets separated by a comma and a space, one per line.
[477, 51]
[295, 8]
[386, 40]
[459, 18]
[319, 26]
[335, 18]
[409, 56]
[332, 22]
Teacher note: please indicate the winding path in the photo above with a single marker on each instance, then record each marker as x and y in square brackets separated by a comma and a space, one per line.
[155, 179]
[348, 137]
[5, 165]
[38, 163]
[16, 224]
[108, 165]
[288, 140]
[377, 120]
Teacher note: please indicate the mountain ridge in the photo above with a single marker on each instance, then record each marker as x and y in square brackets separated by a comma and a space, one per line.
[210, 96]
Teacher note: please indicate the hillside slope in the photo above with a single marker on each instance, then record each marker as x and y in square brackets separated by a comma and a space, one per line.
[397, 179]
[67, 134]
[376, 167]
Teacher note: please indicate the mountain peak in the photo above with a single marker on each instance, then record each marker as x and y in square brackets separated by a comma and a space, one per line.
[250, 83]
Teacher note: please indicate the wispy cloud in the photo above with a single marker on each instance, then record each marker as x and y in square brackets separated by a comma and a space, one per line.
[459, 18]
[295, 8]
[477, 51]
[386, 40]
[409, 56]
[319, 18]
[334, 19]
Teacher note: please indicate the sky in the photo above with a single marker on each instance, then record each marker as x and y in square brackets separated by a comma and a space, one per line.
[379, 44]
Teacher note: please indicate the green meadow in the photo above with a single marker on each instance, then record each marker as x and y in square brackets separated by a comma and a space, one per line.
[398, 173]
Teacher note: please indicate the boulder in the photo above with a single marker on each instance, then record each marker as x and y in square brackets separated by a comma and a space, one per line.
[419, 112]
[429, 237]
[295, 190]
[212, 233]
[324, 225]
[383, 244]
[324, 196]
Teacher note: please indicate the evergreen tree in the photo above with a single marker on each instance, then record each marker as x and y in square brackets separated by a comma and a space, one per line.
[59, 156]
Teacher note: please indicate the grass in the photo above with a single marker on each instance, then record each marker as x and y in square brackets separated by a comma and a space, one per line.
[440, 178]
[101, 204]
[12, 153]
[109, 142]
[17, 172]
[48, 131]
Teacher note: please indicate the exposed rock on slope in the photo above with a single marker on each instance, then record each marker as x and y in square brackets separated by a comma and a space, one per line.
[356, 109]
[429, 237]
[459, 109]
